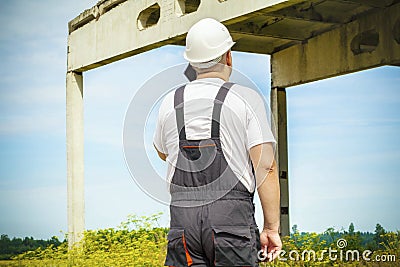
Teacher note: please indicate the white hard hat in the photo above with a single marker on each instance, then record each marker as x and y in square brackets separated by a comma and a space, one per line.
[206, 41]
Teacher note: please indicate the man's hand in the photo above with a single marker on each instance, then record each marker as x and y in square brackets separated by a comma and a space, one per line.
[161, 155]
[271, 243]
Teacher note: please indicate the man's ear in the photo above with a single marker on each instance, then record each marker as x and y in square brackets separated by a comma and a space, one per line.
[229, 58]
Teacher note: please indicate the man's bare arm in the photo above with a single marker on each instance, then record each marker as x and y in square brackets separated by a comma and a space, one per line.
[161, 155]
[262, 157]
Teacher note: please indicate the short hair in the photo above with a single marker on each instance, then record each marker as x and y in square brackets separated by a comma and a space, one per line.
[219, 67]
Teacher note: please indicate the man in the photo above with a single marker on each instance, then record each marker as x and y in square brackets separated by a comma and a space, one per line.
[212, 133]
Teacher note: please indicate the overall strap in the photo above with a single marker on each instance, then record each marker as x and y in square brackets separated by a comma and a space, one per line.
[178, 104]
[218, 102]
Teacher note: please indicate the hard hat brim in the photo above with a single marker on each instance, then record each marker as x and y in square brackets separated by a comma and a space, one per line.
[206, 59]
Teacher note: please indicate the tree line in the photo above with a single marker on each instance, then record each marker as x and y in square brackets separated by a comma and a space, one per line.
[355, 240]
[12, 247]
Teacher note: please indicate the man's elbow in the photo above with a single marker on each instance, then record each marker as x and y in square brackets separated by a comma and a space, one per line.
[269, 167]
[268, 172]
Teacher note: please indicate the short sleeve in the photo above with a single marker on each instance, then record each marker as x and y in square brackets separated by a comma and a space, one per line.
[259, 124]
[158, 139]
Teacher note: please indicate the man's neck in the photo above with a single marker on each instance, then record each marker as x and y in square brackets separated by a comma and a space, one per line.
[220, 75]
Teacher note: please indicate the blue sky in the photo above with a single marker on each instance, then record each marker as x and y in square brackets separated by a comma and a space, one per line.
[343, 149]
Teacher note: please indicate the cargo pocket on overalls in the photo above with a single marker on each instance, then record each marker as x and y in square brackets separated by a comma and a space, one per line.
[233, 246]
[255, 240]
[177, 254]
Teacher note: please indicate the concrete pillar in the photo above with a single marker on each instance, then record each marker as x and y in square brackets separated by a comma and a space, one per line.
[75, 175]
[278, 106]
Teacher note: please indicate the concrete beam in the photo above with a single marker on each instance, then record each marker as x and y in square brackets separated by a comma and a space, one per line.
[75, 176]
[368, 42]
[272, 27]
[307, 11]
[374, 3]
[278, 106]
[99, 37]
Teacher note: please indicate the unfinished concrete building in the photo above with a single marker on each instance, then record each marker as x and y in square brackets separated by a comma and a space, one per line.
[307, 40]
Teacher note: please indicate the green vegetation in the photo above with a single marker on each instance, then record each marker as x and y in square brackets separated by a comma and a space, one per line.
[135, 242]
[138, 242]
[12, 247]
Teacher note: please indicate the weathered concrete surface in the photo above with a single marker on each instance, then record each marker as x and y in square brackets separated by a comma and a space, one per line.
[115, 29]
[75, 166]
[279, 113]
[97, 39]
[339, 51]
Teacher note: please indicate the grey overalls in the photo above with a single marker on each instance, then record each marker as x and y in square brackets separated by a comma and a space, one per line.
[212, 212]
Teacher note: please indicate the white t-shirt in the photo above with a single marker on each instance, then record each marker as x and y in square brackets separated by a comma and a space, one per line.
[244, 123]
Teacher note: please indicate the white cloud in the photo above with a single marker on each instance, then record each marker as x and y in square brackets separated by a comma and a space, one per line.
[25, 19]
